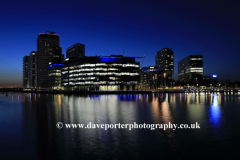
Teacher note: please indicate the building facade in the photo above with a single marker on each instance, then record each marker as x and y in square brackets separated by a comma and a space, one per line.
[77, 50]
[164, 60]
[25, 71]
[190, 69]
[54, 76]
[48, 51]
[211, 81]
[150, 78]
[32, 72]
[113, 72]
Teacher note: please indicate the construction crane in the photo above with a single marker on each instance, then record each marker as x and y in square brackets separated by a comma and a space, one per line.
[142, 61]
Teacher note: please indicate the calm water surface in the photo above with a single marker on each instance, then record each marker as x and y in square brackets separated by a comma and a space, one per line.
[28, 126]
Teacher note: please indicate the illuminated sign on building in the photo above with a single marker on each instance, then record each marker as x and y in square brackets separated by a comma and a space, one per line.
[214, 76]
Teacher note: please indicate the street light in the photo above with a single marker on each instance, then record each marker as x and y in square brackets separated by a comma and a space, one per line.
[153, 82]
[165, 79]
[156, 81]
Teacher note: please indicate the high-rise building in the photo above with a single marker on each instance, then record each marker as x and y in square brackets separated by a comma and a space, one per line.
[190, 69]
[165, 62]
[25, 71]
[77, 50]
[32, 73]
[150, 77]
[48, 51]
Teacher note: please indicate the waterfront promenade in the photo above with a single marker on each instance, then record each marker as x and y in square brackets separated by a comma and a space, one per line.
[210, 90]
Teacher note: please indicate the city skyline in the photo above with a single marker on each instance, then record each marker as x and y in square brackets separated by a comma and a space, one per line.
[140, 29]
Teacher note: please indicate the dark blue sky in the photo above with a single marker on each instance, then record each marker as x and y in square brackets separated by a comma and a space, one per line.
[106, 27]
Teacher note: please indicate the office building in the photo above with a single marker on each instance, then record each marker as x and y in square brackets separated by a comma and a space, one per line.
[190, 69]
[54, 76]
[164, 60]
[48, 51]
[113, 72]
[25, 71]
[150, 78]
[211, 81]
[77, 50]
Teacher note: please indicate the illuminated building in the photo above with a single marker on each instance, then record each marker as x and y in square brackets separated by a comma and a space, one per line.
[211, 81]
[48, 51]
[32, 76]
[113, 72]
[150, 77]
[165, 62]
[54, 76]
[190, 69]
[25, 71]
[76, 50]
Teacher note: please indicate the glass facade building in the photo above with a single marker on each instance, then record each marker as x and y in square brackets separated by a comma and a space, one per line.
[54, 76]
[190, 69]
[113, 72]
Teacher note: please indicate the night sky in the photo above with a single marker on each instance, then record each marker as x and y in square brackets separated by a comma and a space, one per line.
[199, 27]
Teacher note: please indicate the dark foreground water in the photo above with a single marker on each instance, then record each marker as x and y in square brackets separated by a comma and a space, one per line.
[28, 126]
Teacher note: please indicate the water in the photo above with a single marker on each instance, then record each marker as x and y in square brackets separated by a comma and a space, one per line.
[28, 126]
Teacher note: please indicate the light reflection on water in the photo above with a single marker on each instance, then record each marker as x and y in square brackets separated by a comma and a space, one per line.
[215, 112]
[28, 125]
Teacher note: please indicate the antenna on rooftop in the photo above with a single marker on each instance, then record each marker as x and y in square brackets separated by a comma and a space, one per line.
[50, 32]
